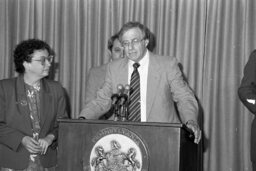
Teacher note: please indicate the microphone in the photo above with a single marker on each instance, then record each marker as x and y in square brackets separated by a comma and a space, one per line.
[123, 103]
[120, 88]
[115, 100]
[127, 89]
[115, 97]
[125, 95]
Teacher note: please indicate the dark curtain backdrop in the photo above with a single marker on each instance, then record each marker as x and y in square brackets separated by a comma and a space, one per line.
[212, 39]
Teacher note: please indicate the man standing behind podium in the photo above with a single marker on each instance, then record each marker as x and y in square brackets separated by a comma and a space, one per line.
[160, 83]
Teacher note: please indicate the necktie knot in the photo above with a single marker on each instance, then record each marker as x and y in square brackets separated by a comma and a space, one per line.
[136, 66]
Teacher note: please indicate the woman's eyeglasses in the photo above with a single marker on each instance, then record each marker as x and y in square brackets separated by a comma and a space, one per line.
[43, 59]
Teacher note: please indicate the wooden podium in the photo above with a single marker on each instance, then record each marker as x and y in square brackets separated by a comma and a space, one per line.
[88, 145]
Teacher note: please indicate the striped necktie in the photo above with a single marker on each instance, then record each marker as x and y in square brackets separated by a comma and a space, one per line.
[134, 106]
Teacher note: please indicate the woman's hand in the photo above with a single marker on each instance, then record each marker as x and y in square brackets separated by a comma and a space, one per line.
[44, 143]
[31, 145]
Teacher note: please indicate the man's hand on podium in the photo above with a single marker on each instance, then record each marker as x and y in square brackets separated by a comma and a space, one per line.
[192, 125]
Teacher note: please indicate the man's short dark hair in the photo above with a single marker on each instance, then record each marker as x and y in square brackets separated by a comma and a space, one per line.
[132, 24]
[25, 49]
[147, 34]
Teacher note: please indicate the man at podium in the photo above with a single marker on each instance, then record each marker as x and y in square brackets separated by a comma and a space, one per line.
[146, 84]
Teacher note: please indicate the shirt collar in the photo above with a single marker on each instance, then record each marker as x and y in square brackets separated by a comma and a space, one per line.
[143, 62]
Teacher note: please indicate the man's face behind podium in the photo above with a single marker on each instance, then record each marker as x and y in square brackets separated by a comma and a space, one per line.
[117, 50]
[134, 43]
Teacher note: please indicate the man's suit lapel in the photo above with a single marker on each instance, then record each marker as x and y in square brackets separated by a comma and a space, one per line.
[22, 103]
[153, 82]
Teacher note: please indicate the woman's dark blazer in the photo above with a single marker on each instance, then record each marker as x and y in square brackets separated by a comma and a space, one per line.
[15, 122]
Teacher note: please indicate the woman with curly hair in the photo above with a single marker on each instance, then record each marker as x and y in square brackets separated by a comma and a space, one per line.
[29, 107]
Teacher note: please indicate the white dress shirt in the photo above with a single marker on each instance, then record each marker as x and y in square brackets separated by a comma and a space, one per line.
[143, 71]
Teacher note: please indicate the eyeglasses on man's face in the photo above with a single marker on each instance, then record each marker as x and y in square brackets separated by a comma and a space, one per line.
[44, 59]
[134, 42]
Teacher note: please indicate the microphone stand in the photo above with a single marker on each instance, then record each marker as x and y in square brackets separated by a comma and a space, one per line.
[123, 110]
[116, 111]
[115, 99]
[123, 107]
[121, 103]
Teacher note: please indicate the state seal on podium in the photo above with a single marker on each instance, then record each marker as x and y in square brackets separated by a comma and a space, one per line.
[118, 149]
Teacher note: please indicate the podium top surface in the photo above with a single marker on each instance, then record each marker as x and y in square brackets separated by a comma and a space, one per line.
[89, 121]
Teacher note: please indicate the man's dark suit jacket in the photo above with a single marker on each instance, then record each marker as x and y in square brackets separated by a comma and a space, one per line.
[247, 91]
[165, 86]
[15, 122]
